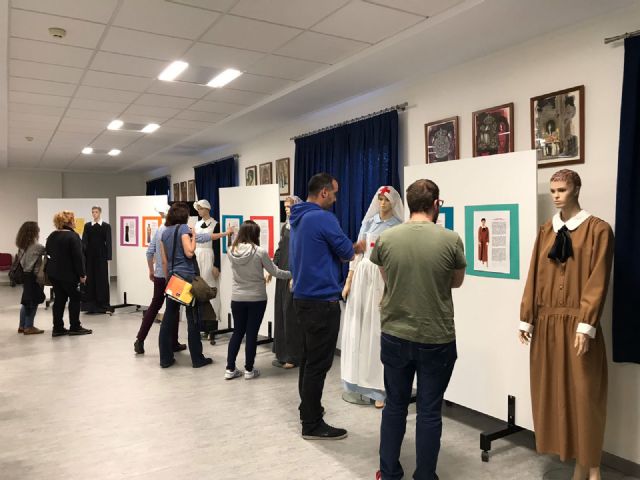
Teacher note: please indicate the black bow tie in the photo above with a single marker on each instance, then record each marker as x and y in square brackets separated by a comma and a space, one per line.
[204, 225]
[562, 248]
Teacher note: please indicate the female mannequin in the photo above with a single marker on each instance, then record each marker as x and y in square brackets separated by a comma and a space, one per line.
[560, 316]
[362, 371]
[483, 242]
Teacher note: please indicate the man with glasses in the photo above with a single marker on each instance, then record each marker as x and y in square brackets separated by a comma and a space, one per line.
[421, 262]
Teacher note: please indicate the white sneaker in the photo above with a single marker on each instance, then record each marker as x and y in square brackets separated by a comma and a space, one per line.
[252, 374]
[231, 374]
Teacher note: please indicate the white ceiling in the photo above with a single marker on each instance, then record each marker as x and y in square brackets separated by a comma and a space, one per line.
[298, 56]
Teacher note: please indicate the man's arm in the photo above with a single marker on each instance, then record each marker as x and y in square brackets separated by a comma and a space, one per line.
[458, 278]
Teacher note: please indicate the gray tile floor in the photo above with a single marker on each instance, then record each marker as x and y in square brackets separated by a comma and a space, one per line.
[88, 408]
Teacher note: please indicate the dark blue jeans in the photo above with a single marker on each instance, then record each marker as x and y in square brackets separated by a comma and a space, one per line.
[433, 365]
[166, 338]
[247, 317]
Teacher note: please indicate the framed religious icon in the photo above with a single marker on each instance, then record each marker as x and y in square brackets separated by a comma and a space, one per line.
[266, 177]
[557, 127]
[493, 130]
[282, 176]
[441, 140]
[250, 176]
[183, 191]
[176, 192]
[191, 191]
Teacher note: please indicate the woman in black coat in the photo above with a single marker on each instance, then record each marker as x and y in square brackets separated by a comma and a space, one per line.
[30, 253]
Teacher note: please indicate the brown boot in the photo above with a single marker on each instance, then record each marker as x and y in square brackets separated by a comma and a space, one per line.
[20, 330]
[32, 331]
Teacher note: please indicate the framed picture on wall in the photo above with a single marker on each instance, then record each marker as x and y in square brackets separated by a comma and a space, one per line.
[176, 192]
[183, 191]
[557, 127]
[129, 231]
[191, 191]
[150, 226]
[282, 176]
[441, 140]
[250, 176]
[493, 130]
[266, 177]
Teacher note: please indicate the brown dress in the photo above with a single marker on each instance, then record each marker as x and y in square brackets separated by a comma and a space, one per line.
[569, 393]
[483, 244]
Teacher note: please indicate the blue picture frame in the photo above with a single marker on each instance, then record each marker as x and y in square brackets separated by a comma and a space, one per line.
[225, 223]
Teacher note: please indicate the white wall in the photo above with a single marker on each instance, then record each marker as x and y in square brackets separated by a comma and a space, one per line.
[575, 56]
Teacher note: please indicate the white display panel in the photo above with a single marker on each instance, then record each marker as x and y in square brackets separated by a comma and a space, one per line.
[81, 207]
[492, 363]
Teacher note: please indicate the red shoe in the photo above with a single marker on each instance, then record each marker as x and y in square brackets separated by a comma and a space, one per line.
[378, 475]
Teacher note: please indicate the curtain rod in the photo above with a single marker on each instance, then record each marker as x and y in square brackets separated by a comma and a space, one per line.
[235, 157]
[400, 107]
[622, 37]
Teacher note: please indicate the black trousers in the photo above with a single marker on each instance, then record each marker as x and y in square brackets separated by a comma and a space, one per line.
[63, 292]
[319, 324]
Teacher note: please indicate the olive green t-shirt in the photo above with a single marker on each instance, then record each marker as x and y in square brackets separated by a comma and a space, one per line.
[419, 259]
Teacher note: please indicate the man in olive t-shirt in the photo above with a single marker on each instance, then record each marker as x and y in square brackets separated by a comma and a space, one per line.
[421, 262]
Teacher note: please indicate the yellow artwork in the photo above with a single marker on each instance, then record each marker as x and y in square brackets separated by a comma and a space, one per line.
[79, 228]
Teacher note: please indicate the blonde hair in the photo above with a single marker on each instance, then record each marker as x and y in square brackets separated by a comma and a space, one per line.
[64, 218]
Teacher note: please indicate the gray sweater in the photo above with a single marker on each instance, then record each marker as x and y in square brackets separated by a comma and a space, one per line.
[31, 260]
[247, 264]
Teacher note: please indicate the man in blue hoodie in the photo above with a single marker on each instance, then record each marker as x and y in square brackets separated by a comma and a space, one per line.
[318, 248]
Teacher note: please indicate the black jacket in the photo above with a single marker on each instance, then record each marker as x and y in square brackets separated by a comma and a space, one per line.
[65, 260]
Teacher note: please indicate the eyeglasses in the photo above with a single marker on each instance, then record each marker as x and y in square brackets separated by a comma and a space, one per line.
[440, 202]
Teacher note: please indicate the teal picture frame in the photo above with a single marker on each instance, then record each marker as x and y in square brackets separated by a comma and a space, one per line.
[223, 228]
[448, 217]
[514, 239]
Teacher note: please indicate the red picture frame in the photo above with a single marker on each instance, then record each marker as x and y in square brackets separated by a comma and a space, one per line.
[260, 220]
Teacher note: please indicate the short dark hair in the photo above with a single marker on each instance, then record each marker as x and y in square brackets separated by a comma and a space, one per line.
[27, 235]
[421, 194]
[249, 233]
[95, 207]
[318, 182]
[178, 214]
[483, 219]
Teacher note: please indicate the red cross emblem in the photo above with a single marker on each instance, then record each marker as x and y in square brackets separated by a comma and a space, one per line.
[384, 190]
[372, 244]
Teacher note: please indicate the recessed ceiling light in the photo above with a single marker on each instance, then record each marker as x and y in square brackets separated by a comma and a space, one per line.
[87, 150]
[115, 125]
[173, 70]
[150, 128]
[223, 78]
[114, 152]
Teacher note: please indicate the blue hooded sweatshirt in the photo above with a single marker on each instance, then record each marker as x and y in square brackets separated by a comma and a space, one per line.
[317, 249]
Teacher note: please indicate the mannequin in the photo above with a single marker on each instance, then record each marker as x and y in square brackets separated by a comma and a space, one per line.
[483, 242]
[560, 317]
[361, 368]
[96, 242]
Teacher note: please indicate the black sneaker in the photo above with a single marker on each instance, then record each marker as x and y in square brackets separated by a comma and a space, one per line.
[80, 331]
[203, 363]
[167, 365]
[59, 333]
[138, 347]
[324, 432]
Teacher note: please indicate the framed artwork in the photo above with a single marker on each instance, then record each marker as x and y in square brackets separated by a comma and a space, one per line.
[492, 240]
[282, 176]
[557, 127]
[79, 226]
[191, 191]
[251, 176]
[266, 232]
[228, 222]
[150, 226]
[441, 140]
[493, 130]
[445, 219]
[265, 174]
[183, 191]
[176, 192]
[129, 231]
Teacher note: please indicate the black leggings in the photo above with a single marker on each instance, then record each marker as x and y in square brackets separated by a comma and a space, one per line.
[247, 317]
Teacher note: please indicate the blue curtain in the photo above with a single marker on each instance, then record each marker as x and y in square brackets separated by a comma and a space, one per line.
[159, 186]
[626, 273]
[362, 156]
[211, 177]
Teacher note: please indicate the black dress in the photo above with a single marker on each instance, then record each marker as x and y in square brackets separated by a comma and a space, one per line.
[96, 241]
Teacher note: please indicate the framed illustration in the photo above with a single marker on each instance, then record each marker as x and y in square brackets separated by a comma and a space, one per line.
[441, 140]
[445, 219]
[493, 130]
[557, 127]
[265, 174]
[176, 192]
[229, 222]
[79, 226]
[191, 191]
[150, 226]
[266, 232]
[282, 176]
[250, 176]
[129, 231]
[492, 240]
[183, 191]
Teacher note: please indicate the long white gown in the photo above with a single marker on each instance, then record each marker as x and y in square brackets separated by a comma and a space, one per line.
[205, 258]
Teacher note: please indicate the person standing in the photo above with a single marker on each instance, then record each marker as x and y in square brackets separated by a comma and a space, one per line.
[65, 268]
[96, 240]
[30, 252]
[318, 248]
[418, 332]
[483, 242]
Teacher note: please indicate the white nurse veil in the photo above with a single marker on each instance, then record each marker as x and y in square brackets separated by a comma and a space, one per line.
[396, 204]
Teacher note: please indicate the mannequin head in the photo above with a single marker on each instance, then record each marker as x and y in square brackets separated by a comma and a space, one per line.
[322, 190]
[564, 187]
[483, 222]
[204, 209]
[290, 202]
[95, 213]
[385, 206]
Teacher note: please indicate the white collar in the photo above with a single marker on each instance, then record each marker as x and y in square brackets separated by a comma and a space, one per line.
[573, 223]
[99, 222]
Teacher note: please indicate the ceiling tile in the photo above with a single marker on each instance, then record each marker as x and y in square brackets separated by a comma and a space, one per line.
[32, 120]
[250, 34]
[89, 115]
[259, 83]
[215, 5]
[35, 26]
[201, 116]
[419, 7]
[38, 99]
[321, 48]
[40, 139]
[228, 95]
[158, 114]
[165, 18]
[142, 44]
[381, 22]
[94, 10]
[128, 65]
[43, 71]
[120, 140]
[36, 109]
[300, 13]
[24, 158]
[285, 67]
[188, 124]
[71, 140]
[41, 86]
[78, 125]
[216, 56]
[89, 104]
[114, 80]
[216, 107]
[49, 53]
[153, 100]
[179, 89]
[106, 94]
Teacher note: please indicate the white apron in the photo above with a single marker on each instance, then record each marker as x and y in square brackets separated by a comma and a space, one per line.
[205, 257]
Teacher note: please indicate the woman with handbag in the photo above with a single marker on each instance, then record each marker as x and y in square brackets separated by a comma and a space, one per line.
[178, 247]
[30, 252]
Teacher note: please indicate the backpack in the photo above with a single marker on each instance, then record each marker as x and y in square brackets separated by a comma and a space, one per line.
[16, 273]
